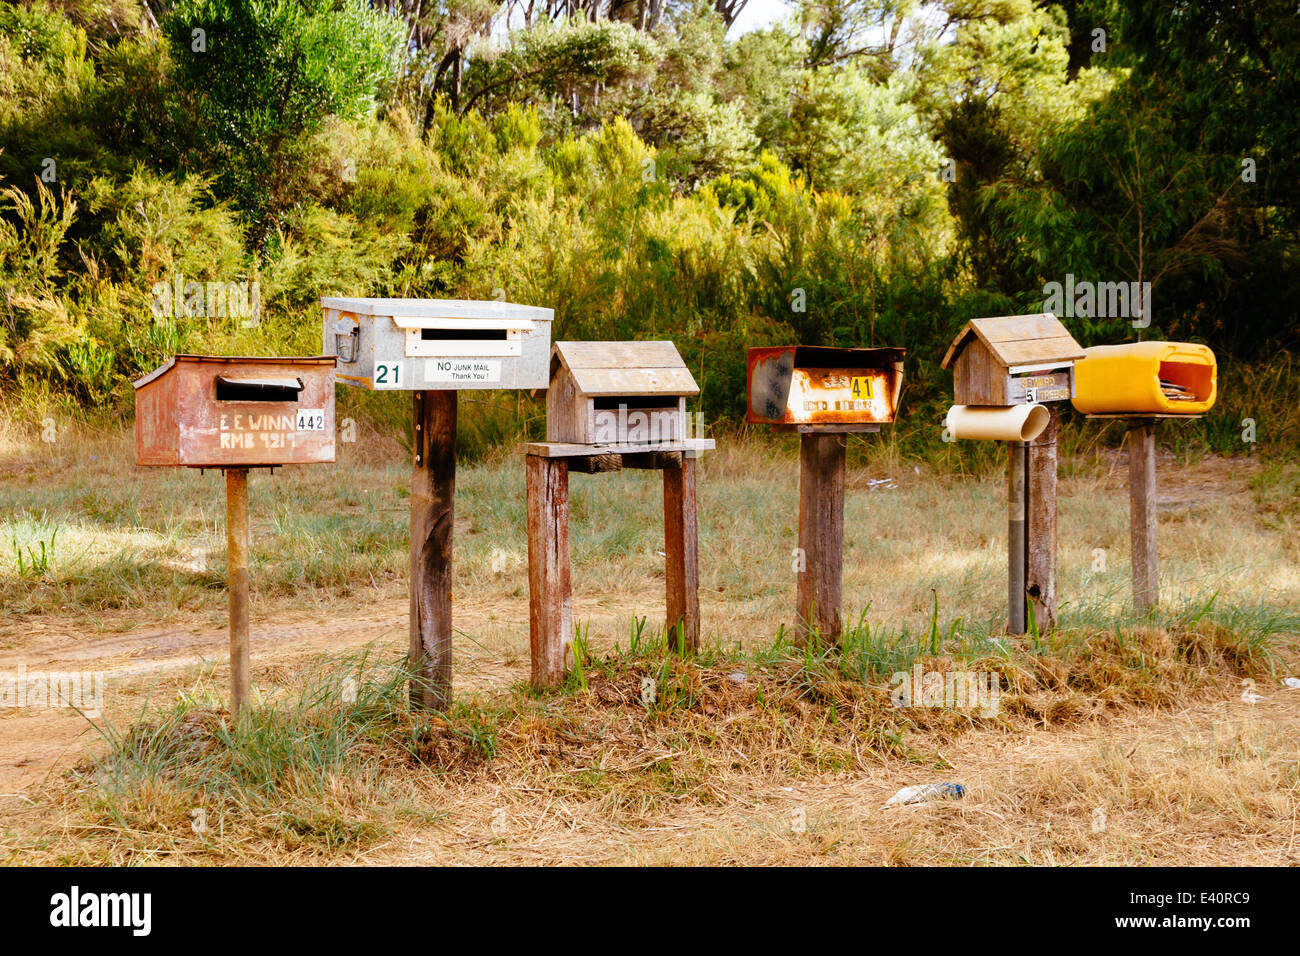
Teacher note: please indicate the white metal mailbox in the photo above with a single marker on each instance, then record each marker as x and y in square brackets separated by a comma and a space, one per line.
[438, 344]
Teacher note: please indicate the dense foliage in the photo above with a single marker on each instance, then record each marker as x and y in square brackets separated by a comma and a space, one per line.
[864, 173]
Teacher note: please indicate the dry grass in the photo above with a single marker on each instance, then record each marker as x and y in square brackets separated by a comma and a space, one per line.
[1142, 720]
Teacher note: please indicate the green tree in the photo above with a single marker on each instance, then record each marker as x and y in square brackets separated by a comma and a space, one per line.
[258, 77]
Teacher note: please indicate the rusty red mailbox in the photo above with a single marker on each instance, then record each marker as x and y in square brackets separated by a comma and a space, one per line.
[236, 413]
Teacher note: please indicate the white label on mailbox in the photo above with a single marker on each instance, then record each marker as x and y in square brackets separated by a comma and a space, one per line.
[311, 420]
[388, 375]
[462, 370]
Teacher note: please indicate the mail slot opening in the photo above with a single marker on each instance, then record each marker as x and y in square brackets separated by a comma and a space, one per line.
[1186, 381]
[258, 389]
[464, 335]
[614, 402]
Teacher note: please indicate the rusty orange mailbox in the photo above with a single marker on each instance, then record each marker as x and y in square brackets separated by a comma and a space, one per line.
[236, 413]
[815, 388]
[823, 394]
[212, 411]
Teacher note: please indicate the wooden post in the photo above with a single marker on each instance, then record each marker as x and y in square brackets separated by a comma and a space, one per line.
[237, 583]
[681, 562]
[821, 536]
[550, 598]
[1040, 569]
[1017, 558]
[433, 488]
[1142, 512]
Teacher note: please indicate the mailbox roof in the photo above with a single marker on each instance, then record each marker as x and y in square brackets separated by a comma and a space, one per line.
[440, 308]
[229, 359]
[625, 368]
[1019, 340]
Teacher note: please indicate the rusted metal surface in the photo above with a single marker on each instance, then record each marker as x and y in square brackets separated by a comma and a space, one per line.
[795, 385]
[207, 411]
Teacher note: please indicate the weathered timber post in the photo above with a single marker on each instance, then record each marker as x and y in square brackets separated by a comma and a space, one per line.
[433, 488]
[237, 584]
[681, 555]
[1142, 512]
[550, 595]
[1040, 569]
[1017, 556]
[821, 537]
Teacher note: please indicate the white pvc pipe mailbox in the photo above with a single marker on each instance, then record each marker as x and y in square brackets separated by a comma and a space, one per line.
[995, 423]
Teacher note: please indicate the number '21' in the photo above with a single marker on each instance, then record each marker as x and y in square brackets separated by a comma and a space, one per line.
[388, 376]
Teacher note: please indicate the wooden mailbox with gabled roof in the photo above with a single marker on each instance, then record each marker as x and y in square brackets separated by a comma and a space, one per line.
[617, 392]
[610, 406]
[1013, 360]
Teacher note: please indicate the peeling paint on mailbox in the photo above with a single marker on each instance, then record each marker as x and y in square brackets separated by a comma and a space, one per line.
[814, 385]
[209, 411]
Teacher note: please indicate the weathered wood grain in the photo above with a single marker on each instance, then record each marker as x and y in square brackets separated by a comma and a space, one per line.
[1142, 514]
[1017, 558]
[821, 537]
[681, 562]
[1040, 572]
[433, 490]
[550, 596]
[237, 584]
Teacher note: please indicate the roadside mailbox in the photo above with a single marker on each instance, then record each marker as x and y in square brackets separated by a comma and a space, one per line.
[434, 348]
[610, 406]
[1144, 382]
[212, 411]
[813, 386]
[1009, 373]
[617, 392]
[436, 344]
[236, 413]
[823, 394]
[1146, 378]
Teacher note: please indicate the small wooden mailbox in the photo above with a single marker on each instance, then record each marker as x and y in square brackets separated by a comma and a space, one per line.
[1007, 372]
[617, 393]
[212, 411]
[236, 413]
[804, 387]
[1013, 360]
[437, 344]
[610, 406]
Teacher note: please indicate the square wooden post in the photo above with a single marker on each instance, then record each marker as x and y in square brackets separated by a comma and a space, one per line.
[681, 562]
[1040, 571]
[550, 597]
[433, 490]
[1142, 512]
[821, 536]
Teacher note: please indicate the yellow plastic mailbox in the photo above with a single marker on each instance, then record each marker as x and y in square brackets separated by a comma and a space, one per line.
[1154, 378]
